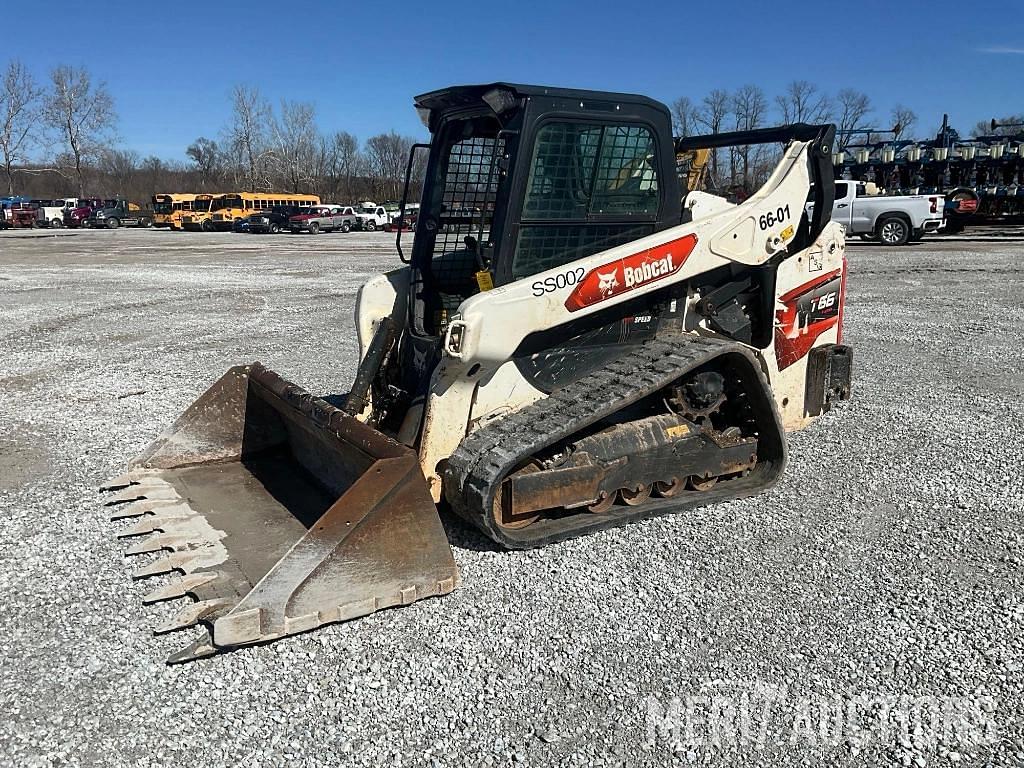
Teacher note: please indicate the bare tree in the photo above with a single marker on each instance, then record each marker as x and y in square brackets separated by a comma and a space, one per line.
[387, 154]
[153, 175]
[713, 112]
[120, 167]
[853, 107]
[340, 164]
[19, 108]
[206, 158]
[247, 135]
[749, 106]
[295, 143]
[83, 116]
[685, 117]
[903, 121]
[802, 102]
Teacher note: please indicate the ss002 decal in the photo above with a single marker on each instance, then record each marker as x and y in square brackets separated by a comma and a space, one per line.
[630, 272]
[808, 311]
[554, 282]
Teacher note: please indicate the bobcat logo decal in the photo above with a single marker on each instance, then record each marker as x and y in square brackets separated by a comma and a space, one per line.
[607, 283]
[637, 270]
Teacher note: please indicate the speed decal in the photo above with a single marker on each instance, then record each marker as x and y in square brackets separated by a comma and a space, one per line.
[630, 272]
[808, 311]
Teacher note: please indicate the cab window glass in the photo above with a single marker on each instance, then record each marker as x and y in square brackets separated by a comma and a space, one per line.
[591, 187]
[581, 170]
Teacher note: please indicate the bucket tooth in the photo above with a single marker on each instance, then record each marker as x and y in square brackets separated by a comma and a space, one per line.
[180, 587]
[138, 492]
[156, 543]
[156, 520]
[199, 649]
[143, 507]
[184, 562]
[117, 483]
[192, 614]
[134, 476]
[192, 532]
[159, 567]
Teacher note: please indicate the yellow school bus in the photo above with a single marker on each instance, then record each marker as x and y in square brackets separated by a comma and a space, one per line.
[169, 208]
[227, 208]
[199, 217]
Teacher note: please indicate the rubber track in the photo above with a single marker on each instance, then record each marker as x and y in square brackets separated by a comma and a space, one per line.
[487, 455]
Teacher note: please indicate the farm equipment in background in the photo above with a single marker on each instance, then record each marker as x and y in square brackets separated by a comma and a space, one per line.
[982, 178]
[570, 344]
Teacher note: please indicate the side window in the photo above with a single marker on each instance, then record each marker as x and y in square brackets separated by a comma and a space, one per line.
[561, 171]
[841, 190]
[581, 170]
[627, 179]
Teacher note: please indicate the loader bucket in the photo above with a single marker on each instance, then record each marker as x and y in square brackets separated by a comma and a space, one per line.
[280, 513]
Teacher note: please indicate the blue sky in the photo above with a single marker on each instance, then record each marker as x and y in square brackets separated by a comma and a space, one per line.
[170, 71]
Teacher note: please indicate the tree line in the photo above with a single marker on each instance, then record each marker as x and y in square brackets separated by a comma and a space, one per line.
[60, 135]
[749, 107]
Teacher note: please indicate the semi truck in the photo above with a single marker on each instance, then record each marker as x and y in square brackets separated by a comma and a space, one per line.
[119, 213]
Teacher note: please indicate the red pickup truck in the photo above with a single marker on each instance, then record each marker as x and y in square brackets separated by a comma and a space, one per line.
[322, 218]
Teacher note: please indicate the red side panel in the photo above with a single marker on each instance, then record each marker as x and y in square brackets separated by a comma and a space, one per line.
[809, 310]
[633, 271]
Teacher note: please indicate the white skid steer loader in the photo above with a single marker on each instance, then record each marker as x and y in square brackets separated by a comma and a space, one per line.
[574, 342]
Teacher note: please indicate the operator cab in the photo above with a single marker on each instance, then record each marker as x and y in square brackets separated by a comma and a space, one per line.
[522, 179]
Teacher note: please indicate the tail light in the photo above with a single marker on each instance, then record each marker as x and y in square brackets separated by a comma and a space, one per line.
[935, 204]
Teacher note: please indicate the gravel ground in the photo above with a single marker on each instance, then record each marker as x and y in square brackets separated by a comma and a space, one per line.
[887, 563]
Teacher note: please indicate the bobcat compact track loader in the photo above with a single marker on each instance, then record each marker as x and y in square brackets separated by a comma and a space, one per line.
[573, 343]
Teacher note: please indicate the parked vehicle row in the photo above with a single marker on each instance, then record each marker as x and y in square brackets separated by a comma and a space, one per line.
[254, 212]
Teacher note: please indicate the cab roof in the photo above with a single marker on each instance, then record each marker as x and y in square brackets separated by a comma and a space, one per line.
[466, 96]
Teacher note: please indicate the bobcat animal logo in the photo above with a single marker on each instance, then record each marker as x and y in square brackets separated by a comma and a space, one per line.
[607, 283]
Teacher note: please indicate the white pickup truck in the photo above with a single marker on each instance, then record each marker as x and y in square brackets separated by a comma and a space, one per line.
[372, 216]
[891, 219]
